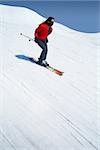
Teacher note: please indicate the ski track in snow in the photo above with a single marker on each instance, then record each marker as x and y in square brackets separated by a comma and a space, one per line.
[38, 109]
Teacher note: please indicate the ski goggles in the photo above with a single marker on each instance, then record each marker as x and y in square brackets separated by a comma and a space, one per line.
[52, 20]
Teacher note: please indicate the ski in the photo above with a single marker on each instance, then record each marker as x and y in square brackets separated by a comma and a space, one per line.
[26, 36]
[33, 60]
[52, 69]
[56, 71]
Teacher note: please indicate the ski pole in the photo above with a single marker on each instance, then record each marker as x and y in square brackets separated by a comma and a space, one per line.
[30, 39]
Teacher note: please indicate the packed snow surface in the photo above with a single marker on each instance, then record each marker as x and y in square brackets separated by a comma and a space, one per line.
[40, 110]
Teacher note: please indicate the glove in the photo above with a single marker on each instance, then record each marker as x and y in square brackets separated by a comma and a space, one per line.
[46, 40]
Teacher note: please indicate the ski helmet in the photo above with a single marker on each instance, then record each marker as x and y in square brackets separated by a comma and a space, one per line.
[50, 21]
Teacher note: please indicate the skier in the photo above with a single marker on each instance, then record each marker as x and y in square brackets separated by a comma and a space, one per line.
[41, 34]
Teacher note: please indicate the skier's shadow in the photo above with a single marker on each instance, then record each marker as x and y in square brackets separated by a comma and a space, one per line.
[23, 57]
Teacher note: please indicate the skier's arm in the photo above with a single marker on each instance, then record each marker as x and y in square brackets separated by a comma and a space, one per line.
[50, 30]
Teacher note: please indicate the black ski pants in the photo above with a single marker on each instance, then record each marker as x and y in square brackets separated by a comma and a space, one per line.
[43, 45]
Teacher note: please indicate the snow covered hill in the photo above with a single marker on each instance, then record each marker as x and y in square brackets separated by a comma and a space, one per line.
[38, 109]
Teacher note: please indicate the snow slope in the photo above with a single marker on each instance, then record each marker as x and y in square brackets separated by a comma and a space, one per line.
[38, 109]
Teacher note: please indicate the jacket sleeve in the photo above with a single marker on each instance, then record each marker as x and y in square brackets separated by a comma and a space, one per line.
[50, 30]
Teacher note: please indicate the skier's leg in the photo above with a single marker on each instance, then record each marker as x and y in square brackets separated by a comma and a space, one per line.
[44, 52]
[44, 47]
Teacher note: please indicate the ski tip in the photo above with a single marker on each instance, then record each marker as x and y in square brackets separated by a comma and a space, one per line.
[60, 73]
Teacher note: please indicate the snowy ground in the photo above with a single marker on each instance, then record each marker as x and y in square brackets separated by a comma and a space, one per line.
[38, 109]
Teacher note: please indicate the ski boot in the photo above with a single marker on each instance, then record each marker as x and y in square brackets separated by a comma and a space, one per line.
[44, 63]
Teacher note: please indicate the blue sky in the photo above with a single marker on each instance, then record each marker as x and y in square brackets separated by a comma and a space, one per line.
[79, 15]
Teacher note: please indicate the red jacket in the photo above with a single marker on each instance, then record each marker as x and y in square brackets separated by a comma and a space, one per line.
[43, 31]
